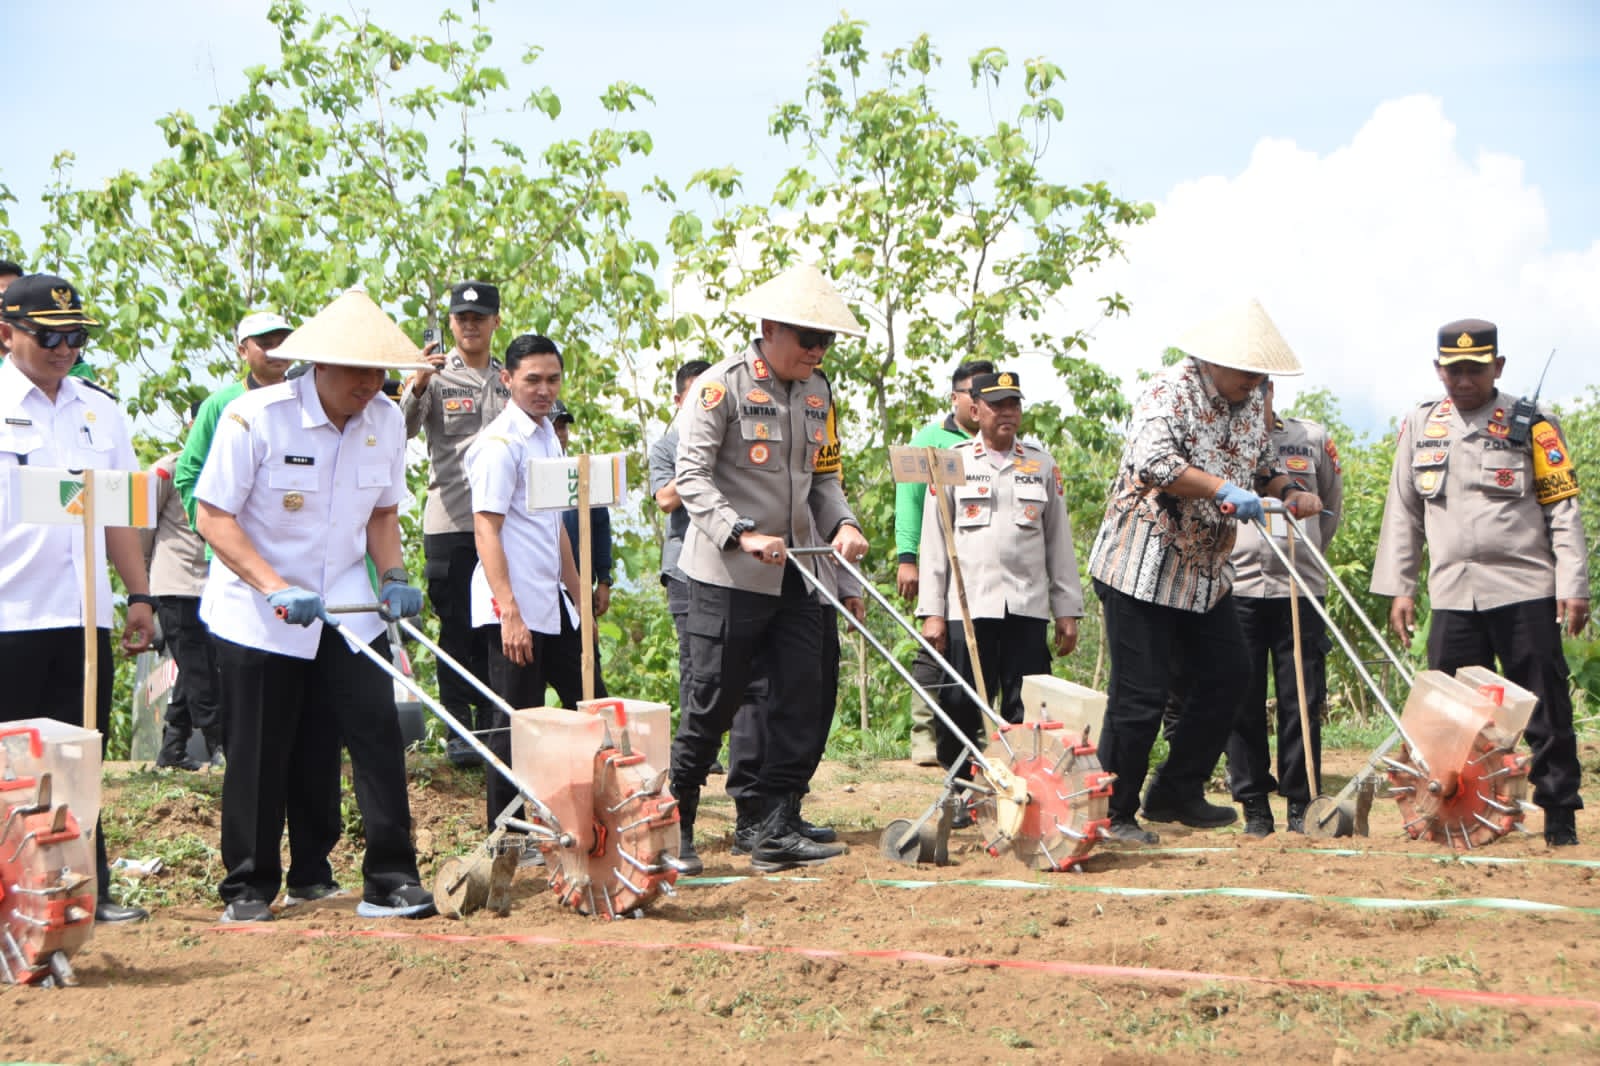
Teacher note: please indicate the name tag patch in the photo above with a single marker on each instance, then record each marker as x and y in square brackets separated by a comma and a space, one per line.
[300, 460]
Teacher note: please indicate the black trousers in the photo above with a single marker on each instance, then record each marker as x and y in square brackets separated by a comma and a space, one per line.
[1153, 649]
[747, 740]
[1268, 632]
[1008, 648]
[1526, 640]
[737, 638]
[563, 664]
[286, 717]
[520, 686]
[451, 558]
[43, 669]
[678, 607]
[195, 702]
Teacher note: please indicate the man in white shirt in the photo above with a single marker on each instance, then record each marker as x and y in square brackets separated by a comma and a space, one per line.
[522, 554]
[50, 419]
[302, 483]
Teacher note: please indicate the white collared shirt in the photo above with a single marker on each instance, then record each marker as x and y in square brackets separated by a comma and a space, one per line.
[83, 429]
[497, 470]
[303, 492]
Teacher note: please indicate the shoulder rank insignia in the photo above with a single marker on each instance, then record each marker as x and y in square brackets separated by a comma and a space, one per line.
[759, 366]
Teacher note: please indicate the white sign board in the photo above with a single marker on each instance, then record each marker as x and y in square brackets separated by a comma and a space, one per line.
[911, 464]
[553, 483]
[53, 496]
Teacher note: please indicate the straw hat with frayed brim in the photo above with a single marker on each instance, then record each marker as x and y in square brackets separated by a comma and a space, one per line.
[800, 296]
[353, 331]
[1242, 338]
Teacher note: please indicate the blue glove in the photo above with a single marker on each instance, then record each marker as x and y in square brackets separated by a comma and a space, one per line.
[1241, 503]
[399, 600]
[299, 607]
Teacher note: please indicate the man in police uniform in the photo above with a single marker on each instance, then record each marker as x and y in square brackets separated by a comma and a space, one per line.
[1261, 595]
[758, 473]
[457, 396]
[50, 419]
[524, 557]
[1014, 541]
[303, 482]
[909, 497]
[1497, 508]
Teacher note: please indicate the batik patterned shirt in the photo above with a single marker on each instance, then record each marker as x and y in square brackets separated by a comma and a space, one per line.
[1165, 549]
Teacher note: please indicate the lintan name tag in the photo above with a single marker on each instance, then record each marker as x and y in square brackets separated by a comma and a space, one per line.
[911, 464]
[553, 483]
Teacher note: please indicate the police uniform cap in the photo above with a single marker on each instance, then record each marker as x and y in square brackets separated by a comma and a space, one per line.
[475, 296]
[1468, 340]
[559, 413]
[996, 387]
[46, 299]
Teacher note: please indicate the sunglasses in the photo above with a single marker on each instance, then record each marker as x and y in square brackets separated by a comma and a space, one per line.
[54, 338]
[812, 338]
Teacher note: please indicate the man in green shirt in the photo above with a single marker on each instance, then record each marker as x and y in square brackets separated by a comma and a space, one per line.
[258, 335]
[959, 425]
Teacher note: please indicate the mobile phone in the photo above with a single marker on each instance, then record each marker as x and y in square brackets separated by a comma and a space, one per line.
[429, 336]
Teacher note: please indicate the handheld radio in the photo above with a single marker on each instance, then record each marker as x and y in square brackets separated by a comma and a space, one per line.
[1523, 412]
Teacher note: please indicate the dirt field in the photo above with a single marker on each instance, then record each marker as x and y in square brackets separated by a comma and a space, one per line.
[1209, 946]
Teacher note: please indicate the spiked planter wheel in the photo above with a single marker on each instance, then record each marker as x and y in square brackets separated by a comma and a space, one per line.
[1467, 806]
[46, 885]
[1051, 804]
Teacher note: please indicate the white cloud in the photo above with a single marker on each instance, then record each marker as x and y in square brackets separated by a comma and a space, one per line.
[1360, 255]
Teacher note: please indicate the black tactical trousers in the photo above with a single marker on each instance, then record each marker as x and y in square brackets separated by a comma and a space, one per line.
[1009, 648]
[451, 558]
[1268, 632]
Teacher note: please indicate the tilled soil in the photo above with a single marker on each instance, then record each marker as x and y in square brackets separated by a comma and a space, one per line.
[1209, 945]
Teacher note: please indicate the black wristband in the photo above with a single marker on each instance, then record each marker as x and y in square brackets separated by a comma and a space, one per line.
[140, 597]
[395, 573]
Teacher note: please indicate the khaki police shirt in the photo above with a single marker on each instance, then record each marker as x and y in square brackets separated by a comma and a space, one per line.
[1312, 460]
[458, 402]
[753, 446]
[1012, 536]
[177, 556]
[1461, 488]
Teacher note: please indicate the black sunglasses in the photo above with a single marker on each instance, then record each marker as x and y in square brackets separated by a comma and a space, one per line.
[812, 338]
[53, 338]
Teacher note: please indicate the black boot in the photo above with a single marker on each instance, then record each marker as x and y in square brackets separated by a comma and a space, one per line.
[688, 806]
[779, 843]
[1257, 817]
[820, 834]
[174, 753]
[1560, 827]
[746, 824]
[1194, 811]
[1297, 815]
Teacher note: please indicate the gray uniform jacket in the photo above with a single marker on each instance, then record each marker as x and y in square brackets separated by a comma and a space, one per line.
[1012, 536]
[458, 402]
[177, 556]
[1462, 488]
[1313, 464]
[663, 469]
[754, 446]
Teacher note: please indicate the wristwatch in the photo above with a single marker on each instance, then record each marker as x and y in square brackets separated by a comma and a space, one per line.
[740, 527]
[140, 597]
[395, 573]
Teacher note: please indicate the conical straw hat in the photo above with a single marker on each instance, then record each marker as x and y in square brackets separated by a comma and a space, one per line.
[353, 331]
[1242, 338]
[800, 296]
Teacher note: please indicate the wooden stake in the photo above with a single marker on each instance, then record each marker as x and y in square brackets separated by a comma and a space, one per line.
[861, 676]
[947, 526]
[586, 577]
[91, 631]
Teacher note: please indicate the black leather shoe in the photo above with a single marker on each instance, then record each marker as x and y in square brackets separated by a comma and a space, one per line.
[780, 845]
[112, 913]
[1195, 813]
[818, 834]
[961, 817]
[1297, 816]
[1130, 832]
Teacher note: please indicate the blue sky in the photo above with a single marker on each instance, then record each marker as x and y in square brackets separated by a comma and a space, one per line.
[1289, 146]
